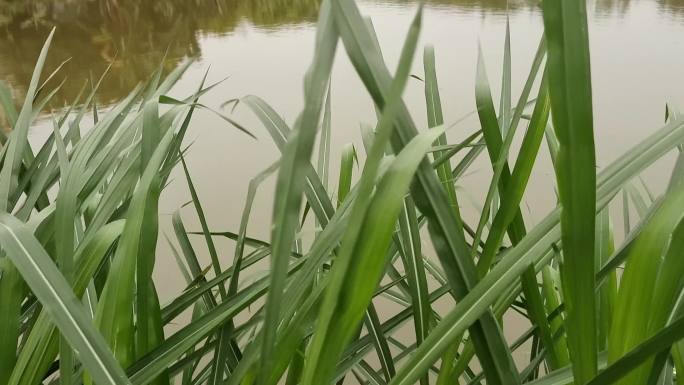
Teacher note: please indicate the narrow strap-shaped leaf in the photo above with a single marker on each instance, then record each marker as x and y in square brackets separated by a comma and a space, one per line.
[608, 290]
[498, 150]
[415, 272]
[658, 343]
[645, 267]
[429, 196]
[336, 325]
[324, 145]
[509, 217]
[12, 288]
[380, 342]
[18, 142]
[7, 104]
[275, 125]
[291, 178]
[56, 296]
[114, 313]
[224, 350]
[435, 118]
[505, 100]
[540, 239]
[346, 171]
[65, 215]
[362, 276]
[41, 346]
[565, 25]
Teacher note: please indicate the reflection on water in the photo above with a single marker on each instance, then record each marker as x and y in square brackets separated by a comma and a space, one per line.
[133, 36]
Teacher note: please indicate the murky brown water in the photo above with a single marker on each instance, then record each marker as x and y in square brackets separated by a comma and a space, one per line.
[265, 47]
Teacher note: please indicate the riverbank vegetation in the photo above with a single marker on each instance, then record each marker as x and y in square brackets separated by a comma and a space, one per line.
[80, 225]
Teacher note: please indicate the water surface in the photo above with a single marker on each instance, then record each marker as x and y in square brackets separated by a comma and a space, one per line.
[264, 48]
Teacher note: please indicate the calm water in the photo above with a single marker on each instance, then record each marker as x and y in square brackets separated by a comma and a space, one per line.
[264, 46]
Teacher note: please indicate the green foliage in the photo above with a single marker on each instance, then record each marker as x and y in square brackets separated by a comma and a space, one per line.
[80, 225]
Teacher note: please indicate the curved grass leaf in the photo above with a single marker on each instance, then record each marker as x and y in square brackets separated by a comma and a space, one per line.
[55, 294]
[428, 193]
[291, 178]
[332, 332]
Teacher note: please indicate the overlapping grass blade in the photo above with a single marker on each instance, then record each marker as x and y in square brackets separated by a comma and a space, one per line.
[47, 283]
[18, 143]
[565, 25]
[645, 268]
[428, 194]
[291, 179]
[505, 100]
[114, 313]
[346, 171]
[531, 248]
[435, 118]
[41, 344]
[336, 324]
[11, 286]
[411, 252]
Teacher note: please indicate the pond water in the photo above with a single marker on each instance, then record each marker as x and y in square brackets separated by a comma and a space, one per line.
[264, 47]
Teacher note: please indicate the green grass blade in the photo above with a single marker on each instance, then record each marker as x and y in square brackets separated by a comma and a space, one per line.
[193, 265]
[498, 152]
[56, 296]
[7, 104]
[435, 118]
[428, 193]
[415, 271]
[608, 290]
[41, 346]
[155, 362]
[12, 288]
[645, 268]
[551, 292]
[227, 336]
[512, 186]
[291, 178]
[114, 313]
[18, 142]
[323, 164]
[505, 101]
[316, 194]
[224, 351]
[362, 276]
[639, 355]
[565, 25]
[453, 149]
[319, 366]
[346, 171]
[532, 248]
[65, 214]
[380, 342]
[150, 132]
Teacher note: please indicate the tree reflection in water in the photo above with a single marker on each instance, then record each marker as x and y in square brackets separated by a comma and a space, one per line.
[133, 36]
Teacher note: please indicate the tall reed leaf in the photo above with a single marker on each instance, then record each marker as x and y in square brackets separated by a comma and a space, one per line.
[291, 177]
[341, 311]
[565, 25]
[435, 118]
[39, 271]
[428, 193]
[652, 264]
[114, 313]
[41, 346]
[11, 287]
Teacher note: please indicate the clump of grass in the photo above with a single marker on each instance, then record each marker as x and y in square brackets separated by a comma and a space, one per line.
[79, 305]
